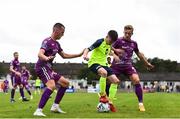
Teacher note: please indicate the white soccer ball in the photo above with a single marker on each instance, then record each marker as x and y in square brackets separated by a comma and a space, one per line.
[103, 107]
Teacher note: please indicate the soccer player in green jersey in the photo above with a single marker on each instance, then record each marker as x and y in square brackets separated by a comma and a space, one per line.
[37, 85]
[97, 63]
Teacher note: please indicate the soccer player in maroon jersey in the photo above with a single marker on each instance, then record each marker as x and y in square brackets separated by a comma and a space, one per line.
[49, 48]
[125, 66]
[16, 78]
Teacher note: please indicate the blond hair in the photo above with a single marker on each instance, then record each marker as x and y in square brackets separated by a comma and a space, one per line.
[128, 27]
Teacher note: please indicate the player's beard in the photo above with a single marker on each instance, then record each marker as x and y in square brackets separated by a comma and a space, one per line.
[58, 37]
[127, 38]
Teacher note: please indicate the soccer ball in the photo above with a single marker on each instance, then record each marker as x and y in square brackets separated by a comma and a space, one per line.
[103, 107]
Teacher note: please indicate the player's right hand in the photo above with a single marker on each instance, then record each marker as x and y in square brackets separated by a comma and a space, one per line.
[18, 74]
[50, 58]
[85, 58]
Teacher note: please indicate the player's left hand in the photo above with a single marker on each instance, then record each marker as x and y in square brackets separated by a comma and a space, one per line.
[50, 58]
[86, 58]
[18, 74]
[149, 66]
[116, 58]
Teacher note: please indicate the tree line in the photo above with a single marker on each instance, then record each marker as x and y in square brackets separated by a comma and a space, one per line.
[161, 65]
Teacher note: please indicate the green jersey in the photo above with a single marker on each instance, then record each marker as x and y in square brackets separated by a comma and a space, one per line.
[38, 82]
[100, 52]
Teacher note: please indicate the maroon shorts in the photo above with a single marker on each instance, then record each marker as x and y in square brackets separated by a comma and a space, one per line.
[16, 80]
[125, 69]
[46, 73]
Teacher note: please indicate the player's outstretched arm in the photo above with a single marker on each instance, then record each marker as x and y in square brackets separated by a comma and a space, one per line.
[85, 54]
[92, 47]
[68, 56]
[143, 58]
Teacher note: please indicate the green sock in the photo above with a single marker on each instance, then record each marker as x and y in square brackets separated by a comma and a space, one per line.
[102, 84]
[112, 91]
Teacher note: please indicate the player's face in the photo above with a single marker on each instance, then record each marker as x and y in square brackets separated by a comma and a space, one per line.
[127, 34]
[23, 67]
[108, 40]
[59, 32]
[16, 56]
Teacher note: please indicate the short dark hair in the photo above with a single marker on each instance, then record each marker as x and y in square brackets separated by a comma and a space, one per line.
[113, 35]
[58, 25]
[128, 27]
[15, 53]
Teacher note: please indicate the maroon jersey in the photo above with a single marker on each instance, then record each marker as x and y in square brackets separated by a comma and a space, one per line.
[16, 66]
[129, 47]
[51, 48]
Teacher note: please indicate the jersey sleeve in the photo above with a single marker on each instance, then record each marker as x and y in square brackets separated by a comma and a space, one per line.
[12, 63]
[96, 44]
[44, 45]
[136, 49]
[115, 44]
[28, 72]
[59, 49]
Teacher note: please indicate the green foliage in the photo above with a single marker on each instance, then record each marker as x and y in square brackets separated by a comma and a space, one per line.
[2, 70]
[83, 72]
[32, 71]
[164, 65]
[139, 65]
[161, 65]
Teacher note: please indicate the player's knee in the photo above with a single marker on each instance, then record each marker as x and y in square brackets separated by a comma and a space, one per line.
[66, 84]
[137, 81]
[21, 86]
[14, 87]
[117, 81]
[51, 84]
[52, 87]
[63, 82]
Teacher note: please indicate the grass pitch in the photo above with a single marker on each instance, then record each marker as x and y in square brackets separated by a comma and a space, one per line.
[83, 105]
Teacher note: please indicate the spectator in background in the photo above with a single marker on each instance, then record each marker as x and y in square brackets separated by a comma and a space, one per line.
[6, 86]
[37, 86]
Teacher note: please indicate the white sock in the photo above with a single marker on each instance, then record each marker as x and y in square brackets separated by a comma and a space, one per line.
[57, 105]
[39, 109]
[140, 104]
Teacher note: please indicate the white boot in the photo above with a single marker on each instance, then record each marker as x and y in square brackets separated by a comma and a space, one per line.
[39, 112]
[56, 108]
